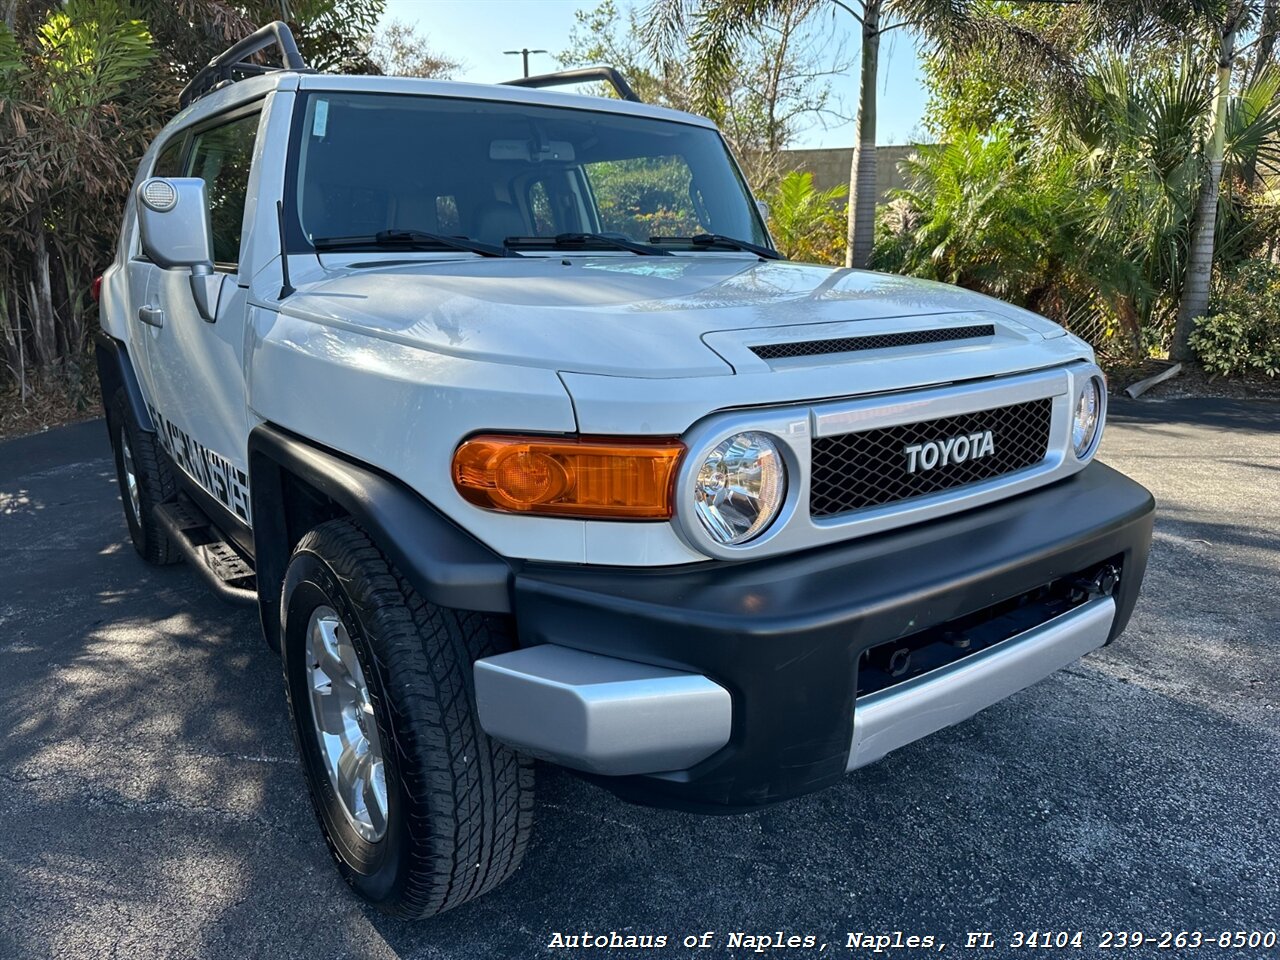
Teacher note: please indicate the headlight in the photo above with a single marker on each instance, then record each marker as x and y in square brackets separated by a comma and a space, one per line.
[1088, 417]
[740, 487]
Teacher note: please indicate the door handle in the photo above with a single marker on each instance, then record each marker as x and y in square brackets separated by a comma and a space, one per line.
[152, 316]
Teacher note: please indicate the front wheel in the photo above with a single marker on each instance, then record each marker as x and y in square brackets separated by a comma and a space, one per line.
[421, 810]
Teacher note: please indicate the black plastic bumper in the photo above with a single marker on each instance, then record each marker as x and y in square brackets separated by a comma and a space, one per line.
[784, 635]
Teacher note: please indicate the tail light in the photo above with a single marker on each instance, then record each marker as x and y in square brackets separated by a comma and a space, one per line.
[95, 288]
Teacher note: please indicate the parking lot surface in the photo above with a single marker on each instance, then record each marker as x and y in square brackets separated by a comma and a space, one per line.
[153, 806]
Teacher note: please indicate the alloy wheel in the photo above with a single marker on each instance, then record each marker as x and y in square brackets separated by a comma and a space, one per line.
[130, 476]
[345, 727]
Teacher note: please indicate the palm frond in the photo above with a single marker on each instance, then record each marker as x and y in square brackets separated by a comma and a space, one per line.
[1253, 124]
[710, 32]
[11, 66]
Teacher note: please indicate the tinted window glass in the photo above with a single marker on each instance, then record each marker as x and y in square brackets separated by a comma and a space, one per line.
[447, 215]
[366, 162]
[221, 156]
[544, 224]
[169, 163]
[647, 196]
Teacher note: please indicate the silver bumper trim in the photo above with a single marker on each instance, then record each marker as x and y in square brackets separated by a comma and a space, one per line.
[888, 719]
[600, 714]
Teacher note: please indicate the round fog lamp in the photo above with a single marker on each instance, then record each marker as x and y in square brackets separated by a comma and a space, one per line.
[740, 487]
[1088, 416]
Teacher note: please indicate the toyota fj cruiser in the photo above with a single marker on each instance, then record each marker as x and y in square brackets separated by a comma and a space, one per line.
[500, 407]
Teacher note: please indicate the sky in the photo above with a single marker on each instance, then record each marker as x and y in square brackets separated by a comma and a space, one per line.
[478, 31]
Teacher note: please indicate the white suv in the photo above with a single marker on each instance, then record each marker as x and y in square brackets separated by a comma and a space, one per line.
[501, 408]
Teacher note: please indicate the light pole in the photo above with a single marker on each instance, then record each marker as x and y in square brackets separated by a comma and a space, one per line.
[524, 53]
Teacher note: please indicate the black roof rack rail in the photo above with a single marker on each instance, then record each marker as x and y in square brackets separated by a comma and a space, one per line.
[233, 60]
[566, 77]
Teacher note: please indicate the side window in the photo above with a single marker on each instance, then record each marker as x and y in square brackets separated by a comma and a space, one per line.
[222, 156]
[169, 163]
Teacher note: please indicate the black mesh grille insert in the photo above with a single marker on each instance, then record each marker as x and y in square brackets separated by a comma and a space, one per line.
[908, 338]
[870, 468]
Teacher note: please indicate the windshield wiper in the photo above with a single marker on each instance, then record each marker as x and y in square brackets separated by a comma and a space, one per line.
[412, 238]
[720, 240]
[610, 240]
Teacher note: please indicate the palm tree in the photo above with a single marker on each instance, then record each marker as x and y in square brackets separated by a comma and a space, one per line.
[1133, 129]
[1218, 24]
[713, 29]
[1093, 215]
[1226, 22]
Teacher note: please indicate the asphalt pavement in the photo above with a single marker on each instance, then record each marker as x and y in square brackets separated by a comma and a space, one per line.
[153, 807]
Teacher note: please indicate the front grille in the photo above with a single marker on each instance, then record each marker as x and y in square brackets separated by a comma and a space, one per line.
[870, 468]
[876, 341]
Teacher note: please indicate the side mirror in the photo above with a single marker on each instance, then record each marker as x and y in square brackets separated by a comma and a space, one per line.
[764, 210]
[173, 220]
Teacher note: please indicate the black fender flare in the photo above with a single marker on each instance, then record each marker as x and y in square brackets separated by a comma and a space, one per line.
[115, 370]
[443, 562]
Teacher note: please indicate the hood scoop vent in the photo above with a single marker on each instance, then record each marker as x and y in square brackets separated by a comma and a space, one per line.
[878, 341]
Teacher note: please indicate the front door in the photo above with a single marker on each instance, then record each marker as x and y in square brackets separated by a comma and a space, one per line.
[197, 367]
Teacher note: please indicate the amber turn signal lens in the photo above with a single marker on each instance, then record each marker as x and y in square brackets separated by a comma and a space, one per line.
[602, 478]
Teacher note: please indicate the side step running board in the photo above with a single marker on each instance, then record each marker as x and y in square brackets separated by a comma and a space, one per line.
[227, 573]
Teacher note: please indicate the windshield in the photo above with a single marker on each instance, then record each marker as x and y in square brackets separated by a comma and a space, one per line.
[367, 163]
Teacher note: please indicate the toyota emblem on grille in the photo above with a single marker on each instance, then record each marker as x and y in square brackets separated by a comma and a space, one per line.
[942, 453]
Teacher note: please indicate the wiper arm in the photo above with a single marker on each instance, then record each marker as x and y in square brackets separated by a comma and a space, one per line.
[413, 238]
[720, 240]
[610, 240]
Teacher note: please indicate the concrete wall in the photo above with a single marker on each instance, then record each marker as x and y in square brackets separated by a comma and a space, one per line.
[830, 166]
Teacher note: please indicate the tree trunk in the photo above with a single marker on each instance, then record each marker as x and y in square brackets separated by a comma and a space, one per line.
[1267, 26]
[1266, 45]
[1131, 324]
[11, 338]
[862, 172]
[43, 323]
[1194, 302]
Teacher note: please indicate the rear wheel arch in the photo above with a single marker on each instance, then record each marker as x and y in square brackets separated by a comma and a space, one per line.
[116, 373]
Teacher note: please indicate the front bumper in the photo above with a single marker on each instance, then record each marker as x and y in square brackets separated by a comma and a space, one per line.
[734, 685]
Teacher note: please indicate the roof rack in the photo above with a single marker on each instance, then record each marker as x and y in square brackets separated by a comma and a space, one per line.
[234, 60]
[566, 77]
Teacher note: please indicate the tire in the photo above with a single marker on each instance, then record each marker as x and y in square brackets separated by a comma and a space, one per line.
[457, 807]
[138, 459]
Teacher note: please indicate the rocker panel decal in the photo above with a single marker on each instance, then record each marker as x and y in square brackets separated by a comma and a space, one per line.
[219, 477]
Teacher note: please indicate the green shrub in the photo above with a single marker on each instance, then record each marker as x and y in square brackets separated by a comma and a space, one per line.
[808, 224]
[985, 212]
[1242, 332]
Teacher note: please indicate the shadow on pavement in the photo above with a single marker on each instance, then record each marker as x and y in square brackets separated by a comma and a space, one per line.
[154, 807]
[1260, 415]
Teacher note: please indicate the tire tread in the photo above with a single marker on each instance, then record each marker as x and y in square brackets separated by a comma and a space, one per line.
[156, 482]
[470, 799]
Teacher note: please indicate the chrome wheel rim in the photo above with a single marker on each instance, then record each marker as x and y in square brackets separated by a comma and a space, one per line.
[345, 728]
[130, 476]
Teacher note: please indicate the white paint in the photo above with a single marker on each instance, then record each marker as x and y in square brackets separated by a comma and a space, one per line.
[395, 365]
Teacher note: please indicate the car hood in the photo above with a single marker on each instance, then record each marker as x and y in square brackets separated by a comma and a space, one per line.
[619, 315]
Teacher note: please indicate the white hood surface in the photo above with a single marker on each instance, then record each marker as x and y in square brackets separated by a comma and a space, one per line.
[617, 315]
